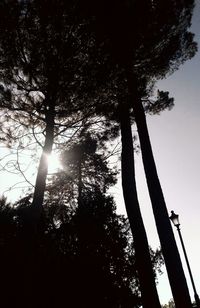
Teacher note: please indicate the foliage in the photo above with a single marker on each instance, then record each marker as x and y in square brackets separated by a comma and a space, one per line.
[150, 47]
[51, 72]
[89, 256]
[147, 40]
[48, 59]
[46, 53]
[84, 170]
[52, 55]
[85, 251]
[170, 304]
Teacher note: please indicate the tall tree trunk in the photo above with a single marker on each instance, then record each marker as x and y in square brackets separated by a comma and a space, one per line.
[40, 185]
[143, 260]
[80, 183]
[169, 248]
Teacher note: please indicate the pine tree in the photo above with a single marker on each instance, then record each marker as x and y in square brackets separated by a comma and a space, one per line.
[147, 40]
[44, 78]
[82, 252]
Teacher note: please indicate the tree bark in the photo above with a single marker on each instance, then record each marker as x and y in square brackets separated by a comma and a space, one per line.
[169, 248]
[143, 260]
[80, 183]
[40, 184]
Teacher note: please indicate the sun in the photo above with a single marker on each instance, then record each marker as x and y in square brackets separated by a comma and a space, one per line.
[54, 163]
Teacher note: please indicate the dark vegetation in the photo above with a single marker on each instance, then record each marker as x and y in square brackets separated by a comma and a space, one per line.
[69, 71]
[82, 254]
[88, 260]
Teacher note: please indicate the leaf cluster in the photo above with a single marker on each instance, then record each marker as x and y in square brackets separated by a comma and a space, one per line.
[89, 255]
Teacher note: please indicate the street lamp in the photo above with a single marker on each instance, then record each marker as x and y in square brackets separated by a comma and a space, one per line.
[174, 218]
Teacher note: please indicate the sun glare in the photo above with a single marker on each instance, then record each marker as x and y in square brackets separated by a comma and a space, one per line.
[54, 163]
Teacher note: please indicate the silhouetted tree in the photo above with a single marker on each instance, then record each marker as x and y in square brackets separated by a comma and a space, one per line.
[154, 46]
[148, 39]
[44, 79]
[105, 272]
[169, 305]
[85, 252]
[89, 173]
[34, 68]
[91, 177]
[85, 169]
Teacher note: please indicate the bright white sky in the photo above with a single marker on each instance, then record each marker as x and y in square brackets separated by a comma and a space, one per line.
[176, 145]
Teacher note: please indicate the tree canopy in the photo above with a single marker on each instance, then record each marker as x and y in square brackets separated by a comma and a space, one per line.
[85, 251]
[63, 63]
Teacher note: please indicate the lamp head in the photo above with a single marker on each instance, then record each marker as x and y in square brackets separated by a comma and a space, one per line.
[174, 219]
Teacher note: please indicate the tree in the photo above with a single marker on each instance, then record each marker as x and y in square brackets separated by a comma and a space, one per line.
[150, 40]
[143, 260]
[149, 48]
[84, 171]
[44, 77]
[90, 256]
[169, 305]
[39, 64]
[184, 49]
[87, 251]
[82, 163]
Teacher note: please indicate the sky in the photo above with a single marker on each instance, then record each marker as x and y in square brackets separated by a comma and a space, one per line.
[176, 145]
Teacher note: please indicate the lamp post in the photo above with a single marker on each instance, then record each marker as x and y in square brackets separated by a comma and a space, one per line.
[174, 218]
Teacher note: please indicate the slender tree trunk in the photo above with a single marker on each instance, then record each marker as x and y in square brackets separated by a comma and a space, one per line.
[169, 248]
[80, 183]
[40, 185]
[143, 260]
